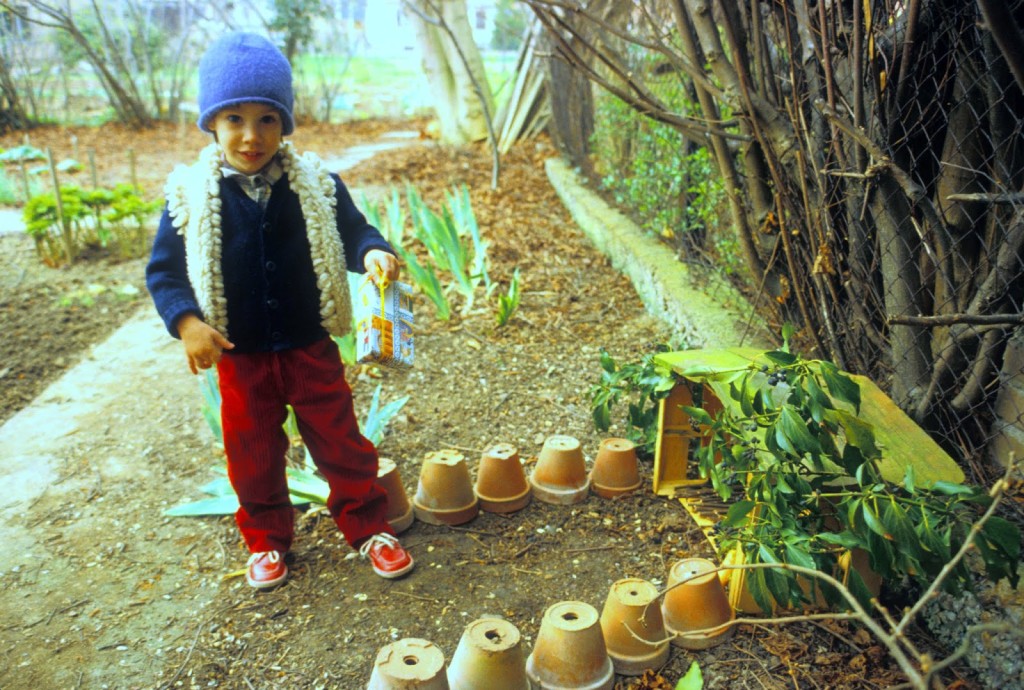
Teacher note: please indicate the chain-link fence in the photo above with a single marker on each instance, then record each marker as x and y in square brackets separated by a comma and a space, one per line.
[870, 161]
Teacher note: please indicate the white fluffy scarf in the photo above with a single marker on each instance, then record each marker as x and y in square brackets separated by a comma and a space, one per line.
[193, 201]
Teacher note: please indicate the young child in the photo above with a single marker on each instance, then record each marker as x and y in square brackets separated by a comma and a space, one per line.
[248, 270]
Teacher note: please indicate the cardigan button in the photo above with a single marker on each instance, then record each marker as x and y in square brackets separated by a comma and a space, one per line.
[273, 303]
[270, 266]
[276, 336]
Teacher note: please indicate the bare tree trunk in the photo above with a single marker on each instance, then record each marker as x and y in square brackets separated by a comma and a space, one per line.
[723, 156]
[12, 115]
[460, 112]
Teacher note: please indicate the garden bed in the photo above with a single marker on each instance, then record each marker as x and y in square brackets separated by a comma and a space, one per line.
[109, 593]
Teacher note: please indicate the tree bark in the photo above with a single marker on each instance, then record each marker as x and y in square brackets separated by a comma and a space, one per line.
[460, 112]
[12, 115]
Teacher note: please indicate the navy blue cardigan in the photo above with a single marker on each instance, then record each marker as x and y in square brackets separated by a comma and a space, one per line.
[272, 297]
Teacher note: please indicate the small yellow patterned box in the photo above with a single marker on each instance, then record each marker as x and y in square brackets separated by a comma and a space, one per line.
[384, 324]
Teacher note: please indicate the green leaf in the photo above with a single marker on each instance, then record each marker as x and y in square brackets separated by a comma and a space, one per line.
[952, 489]
[796, 431]
[699, 414]
[306, 485]
[776, 581]
[859, 433]
[744, 399]
[841, 386]
[909, 482]
[221, 486]
[738, 512]
[781, 357]
[902, 529]
[788, 331]
[798, 556]
[607, 363]
[783, 441]
[874, 523]
[936, 544]
[377, 418]
[846, 539]
[218, 505]
[1004, 535]
[816, 394]
[881, 554]
[855, 583]
[759, 590]
[693, 680]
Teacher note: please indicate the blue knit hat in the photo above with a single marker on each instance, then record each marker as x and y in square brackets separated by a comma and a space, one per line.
[244, 68]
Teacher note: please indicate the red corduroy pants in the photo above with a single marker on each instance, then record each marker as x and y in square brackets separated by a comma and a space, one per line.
[254, 391]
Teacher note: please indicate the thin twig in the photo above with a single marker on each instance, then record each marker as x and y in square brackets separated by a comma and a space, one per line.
[188, 656]
[415, 596]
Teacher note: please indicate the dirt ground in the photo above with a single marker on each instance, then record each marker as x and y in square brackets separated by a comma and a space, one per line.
[103, 591]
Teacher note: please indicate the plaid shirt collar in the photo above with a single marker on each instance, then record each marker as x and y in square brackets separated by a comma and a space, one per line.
[256, 187]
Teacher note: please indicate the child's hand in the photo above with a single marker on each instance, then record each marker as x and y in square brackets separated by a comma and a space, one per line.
[379, 264]
[203, 343]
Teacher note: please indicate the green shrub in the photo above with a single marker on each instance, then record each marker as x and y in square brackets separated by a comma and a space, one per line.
[115, 219]
[668, 184]
[803, 473]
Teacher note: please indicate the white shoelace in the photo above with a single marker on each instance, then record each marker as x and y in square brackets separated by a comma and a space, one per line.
[383, 539]
[272, 556]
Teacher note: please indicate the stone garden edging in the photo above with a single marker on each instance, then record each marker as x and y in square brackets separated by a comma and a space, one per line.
[698, 305]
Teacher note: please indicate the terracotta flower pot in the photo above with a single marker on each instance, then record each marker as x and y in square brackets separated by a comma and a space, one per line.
[560, 475]
[631, 612]
[489, 655]
[444, 495]
[570, 653]
[409, 664]
[616, 470]
[399, 509]
[501, 483]
[699, 603]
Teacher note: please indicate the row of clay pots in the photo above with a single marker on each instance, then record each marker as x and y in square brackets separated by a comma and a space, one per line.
[576, 649]
[445, 494]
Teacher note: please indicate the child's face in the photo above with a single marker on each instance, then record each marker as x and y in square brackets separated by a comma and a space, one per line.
[249, 134]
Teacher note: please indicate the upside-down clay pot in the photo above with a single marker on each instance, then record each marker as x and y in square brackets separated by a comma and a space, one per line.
[560, 476]
[489, 657]
[409, 664]
[399, 509]
[444, 495]
[616, 470]
[634, 630]
[570, 653]
[501, 483]
[700, 602]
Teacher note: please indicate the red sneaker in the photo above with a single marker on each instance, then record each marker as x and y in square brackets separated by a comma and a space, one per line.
[386, 555]
[266, 570]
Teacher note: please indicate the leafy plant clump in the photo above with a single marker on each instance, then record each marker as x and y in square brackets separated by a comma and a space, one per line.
[806, 470]
[668, 184]
[642, 385]
[115, 219]
[453, 256]
[508, 303]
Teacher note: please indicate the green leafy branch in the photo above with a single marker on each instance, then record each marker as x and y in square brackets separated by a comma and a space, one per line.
[920, 669]
[642, 385]
[807, 470]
